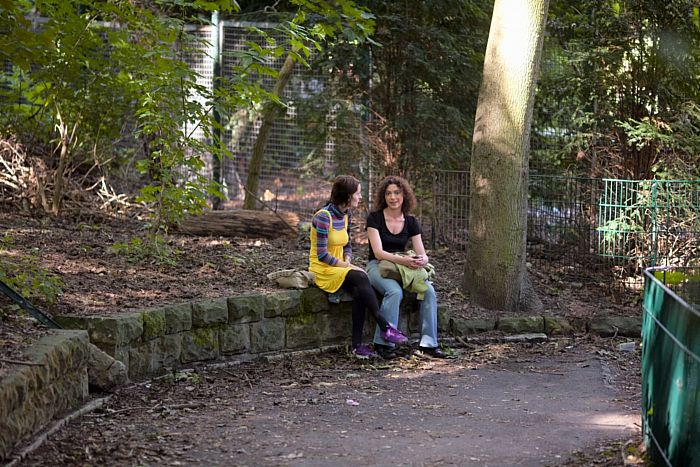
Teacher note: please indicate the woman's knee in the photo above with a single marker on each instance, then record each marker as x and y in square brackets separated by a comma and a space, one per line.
[394, 290]
[430, 293]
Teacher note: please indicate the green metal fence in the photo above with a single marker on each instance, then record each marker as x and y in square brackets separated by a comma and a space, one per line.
[671, 365]
[590, 225]
[649, 222]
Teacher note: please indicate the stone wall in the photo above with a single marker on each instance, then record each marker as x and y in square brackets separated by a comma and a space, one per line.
[241, 327]
[55, 381]
[244, 326]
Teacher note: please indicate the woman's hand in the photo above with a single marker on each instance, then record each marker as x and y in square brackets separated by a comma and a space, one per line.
[351, 266]
[416, 261]
[413, 262]
[421, 260]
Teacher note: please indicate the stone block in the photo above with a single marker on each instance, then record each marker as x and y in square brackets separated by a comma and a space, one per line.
[108, 330]
[234, 338]
[121, 354]
[579, 324]
[246, 308]
[282, 303]
[200, 344]
[170, 350]
[267, 336]
[335, 328]
[628, 326]
[303, 333]
[209, 313]
[314, 300]
[443, 318]
[152, 356]
[178, 318]
[463, 327]
[104, 372]
[62, 351]
[520, 324]
[73, 321]
[14, 389]
[140, 359]
[557, 326]
[153, 324]
[33, 395]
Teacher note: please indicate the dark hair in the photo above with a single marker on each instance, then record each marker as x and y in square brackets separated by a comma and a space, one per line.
[344, 186]
[409, 199]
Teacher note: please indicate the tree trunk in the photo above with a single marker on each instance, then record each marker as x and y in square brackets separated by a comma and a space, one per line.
[496, 275]
[242, 223]
[268, 119]
[59, 177]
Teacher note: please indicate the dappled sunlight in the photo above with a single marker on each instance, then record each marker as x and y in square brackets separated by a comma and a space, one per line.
[610, 420]
[465, 360]
[411, 370]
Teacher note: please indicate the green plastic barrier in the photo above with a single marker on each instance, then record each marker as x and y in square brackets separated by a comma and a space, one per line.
[671, 366]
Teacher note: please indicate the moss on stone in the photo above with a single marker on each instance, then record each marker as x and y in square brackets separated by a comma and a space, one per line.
[301, 318]
[204, 337]
[153, 324]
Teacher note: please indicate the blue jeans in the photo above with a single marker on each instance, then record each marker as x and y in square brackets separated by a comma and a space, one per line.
[392, 294]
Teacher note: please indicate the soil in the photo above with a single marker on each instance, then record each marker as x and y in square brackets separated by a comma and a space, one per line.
[104, 267]
[570, 401]
[104, 270]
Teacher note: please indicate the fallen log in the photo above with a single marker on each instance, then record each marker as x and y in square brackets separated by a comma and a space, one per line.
[242, 223]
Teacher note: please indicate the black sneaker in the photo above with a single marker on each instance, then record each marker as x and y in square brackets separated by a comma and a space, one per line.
[386, 352]
[432, 352]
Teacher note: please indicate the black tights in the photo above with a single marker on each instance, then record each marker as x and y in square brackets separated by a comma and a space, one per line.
[363, 298]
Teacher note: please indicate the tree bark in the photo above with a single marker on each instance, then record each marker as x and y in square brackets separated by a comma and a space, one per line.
[242, 223]
[496, 275]
[268, 119]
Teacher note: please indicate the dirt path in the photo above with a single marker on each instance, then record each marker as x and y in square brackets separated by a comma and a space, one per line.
[496, 404]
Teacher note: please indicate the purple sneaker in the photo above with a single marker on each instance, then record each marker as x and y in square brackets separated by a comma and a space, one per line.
[363, 352]
[393, 335]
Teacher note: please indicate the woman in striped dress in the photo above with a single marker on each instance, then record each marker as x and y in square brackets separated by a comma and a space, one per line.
[330, 261]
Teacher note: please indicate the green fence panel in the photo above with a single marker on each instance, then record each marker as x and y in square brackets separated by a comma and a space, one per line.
[647, 222]
[671, 365]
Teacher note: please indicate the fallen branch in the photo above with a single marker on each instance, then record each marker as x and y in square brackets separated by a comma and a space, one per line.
[241, 223]
[193, 405]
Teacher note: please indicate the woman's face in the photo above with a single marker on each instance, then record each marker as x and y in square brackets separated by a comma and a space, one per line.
[356, 197]
[393, 196]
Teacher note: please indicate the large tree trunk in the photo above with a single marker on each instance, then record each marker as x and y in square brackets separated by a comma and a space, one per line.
[268, 119]
[242, 223]
[496, 275]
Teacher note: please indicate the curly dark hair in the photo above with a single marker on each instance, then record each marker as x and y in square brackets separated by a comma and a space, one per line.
[344, 186]
[409, 199]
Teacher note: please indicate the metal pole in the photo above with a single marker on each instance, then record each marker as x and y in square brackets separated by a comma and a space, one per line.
[218, 159]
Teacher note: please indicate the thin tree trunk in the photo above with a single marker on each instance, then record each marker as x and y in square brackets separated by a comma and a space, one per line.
[268, 119]
[495, 275]
[59, 175]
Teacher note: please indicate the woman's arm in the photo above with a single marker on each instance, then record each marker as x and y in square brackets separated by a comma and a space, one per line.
[417, 242]
[375, 241]
[322, 223]
[347, 249]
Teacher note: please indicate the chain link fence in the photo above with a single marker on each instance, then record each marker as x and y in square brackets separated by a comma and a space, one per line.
[589, 225]
[296, 170]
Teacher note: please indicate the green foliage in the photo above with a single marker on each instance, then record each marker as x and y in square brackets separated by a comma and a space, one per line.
[412, 90]
[155, 248]
[616, 81]
[26, 276]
